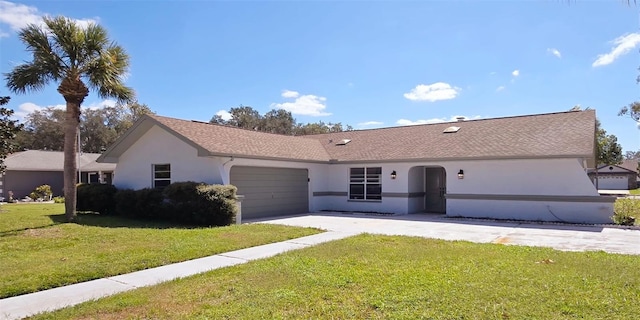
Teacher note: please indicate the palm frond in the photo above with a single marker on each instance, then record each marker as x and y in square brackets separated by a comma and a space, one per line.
[95, 40]
[37, 42]
[106, 73]
[67, 38]
[28, 77]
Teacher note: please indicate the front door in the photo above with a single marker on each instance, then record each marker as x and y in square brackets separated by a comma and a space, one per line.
[435, 189]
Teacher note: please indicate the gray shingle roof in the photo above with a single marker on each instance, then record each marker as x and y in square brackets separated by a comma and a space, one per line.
[40, 160]
[563, 134]
[225, 140]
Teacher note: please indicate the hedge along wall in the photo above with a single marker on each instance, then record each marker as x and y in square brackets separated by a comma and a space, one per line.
[182, 202]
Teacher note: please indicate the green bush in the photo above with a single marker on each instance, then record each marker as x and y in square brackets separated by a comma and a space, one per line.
[125, 203]
[201, 204]
[181, 202]
[181, 191]
[42, 192]
[625, 211]
[96, 197]
[58, 199]
[217, 204]
[149, 204]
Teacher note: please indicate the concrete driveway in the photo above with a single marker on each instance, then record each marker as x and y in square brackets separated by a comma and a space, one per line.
[558, 236]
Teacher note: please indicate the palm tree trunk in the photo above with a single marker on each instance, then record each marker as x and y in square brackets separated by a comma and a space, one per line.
[71, 125]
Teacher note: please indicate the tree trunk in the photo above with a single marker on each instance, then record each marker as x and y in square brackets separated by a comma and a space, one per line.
[71, 125]
[74, 92]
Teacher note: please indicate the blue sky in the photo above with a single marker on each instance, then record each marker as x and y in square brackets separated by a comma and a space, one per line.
[367, 64]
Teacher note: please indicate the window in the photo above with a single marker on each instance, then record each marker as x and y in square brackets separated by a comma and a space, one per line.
[161, 175]
[365, 183]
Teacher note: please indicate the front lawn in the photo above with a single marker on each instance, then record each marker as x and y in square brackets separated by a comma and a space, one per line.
[39, 251]
[385, 277]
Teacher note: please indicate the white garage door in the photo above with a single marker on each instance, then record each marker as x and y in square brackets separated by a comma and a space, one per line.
[610, 182]
[271, 192]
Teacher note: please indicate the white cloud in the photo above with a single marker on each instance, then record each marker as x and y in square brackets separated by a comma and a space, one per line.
[370, 124]
[224, 114]
[29, 107]
[290, 94]
[308, 105]
[17, 16]
[500, 88]
[515, 73]
[554, 52]
[623, 45]
[405, 122]
[432, 92]
[100, 105]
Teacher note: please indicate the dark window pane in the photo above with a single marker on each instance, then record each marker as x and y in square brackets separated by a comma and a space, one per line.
[162, 167]
[357, 171]
[162, 175]
[377, 170]
[374, 189]
[161, 183]
[356, 191]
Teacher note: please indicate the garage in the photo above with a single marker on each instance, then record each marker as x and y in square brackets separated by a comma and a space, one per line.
[270, 192]
[613, 182]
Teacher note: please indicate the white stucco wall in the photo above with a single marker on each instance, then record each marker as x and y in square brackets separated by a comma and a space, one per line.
[574, 212]
[156, 146]
[541, 177]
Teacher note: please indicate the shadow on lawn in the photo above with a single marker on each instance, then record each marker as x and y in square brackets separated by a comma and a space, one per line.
[97, 220]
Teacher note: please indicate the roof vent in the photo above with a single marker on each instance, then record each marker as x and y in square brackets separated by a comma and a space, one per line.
[452, 129]
[343, 142]
[460, 119]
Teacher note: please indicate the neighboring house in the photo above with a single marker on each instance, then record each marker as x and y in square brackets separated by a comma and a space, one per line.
[623, 176]
[27, 170]
[523, 167]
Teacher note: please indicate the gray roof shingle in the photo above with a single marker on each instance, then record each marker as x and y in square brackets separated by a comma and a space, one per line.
[41, 160]
[562, 134]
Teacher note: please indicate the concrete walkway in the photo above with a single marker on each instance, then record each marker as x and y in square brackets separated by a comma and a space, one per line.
[338, 226]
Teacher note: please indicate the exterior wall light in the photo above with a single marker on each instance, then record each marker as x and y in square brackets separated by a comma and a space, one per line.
[461, 174]
[393, 174]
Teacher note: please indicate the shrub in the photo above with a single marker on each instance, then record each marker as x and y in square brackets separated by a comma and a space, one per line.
[149, 204]
[96, 197]
[199, 203]
[42, 192]
[181, 191]
[626, 211]
[58, 199]
[125, 200]
[218, 205]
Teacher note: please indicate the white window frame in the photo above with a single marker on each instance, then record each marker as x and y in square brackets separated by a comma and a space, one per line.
[368, 177]
[155, 172]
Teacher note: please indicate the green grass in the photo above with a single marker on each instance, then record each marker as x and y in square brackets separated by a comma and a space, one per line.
[384, 277]
[39, 251]
[634, 191]
[628, 206]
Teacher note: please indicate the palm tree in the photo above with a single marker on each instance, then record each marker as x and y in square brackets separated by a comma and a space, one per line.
[70, 55]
